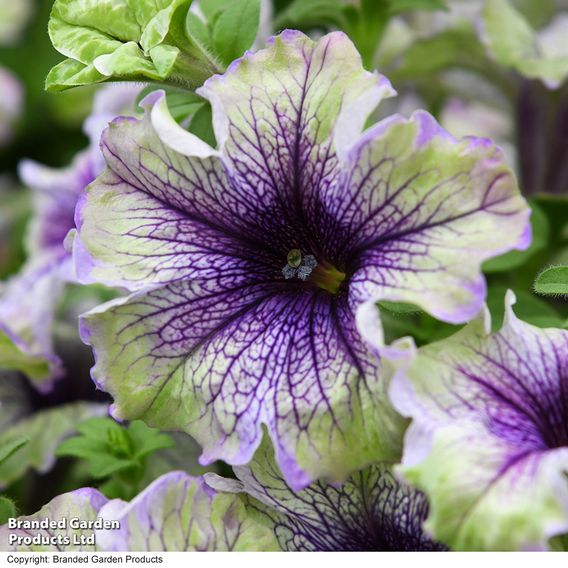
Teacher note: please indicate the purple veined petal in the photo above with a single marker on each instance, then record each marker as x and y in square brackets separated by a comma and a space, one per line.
[29, 299]
[226, 331]
[413, 205]
[488, 442]
[371, 511]
[277, 114]
[57, 191]
[178, 513]
[220, 361]
[142, 239]
[83, 504]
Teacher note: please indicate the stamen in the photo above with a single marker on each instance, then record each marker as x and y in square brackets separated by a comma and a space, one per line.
[307, 268]
[298, 266]
[289, 272]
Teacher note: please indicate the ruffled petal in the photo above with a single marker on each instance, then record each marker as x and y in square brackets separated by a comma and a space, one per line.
[489, 440]
[55, 195]
[372, 511]
[178, 513]
[417, 213]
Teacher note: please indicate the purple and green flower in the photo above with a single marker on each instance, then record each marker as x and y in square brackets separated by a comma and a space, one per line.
[255, 267]
[488, 442]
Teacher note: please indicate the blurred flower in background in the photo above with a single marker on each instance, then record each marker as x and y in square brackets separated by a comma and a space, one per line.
[29, 300]
[11, 103]
[14, 15]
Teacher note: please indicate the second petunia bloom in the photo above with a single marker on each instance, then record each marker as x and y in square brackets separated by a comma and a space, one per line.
[255, 267]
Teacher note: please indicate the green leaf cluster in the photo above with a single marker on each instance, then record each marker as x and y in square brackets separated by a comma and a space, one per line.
[116, 453]
[148, 40]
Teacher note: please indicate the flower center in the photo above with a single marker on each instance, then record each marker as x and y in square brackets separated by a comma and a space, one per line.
[320, 274]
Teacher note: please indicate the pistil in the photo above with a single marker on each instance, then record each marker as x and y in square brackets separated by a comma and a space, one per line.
[327, 277]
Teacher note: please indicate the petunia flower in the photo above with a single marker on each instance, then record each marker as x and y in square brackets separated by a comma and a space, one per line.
[488, 443]
[180, 513]
[28, 300]
[219, 337]
[372, 511]
[176, 513]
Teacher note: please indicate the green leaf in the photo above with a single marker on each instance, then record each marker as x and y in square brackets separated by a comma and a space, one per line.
[202, 125]
[183, 104]
[556, 209]
[455, 47]
[135, 40]
[110, 448]
[312, 13]
[82, 447]
[212, 8]
[7, 510]
[106, 465]
[399, 307]
[399, 6]
[540, 239]
[147, 440]
[11, 448]
[45, 430]
[199, 31]
[235, 29]
[552, 281]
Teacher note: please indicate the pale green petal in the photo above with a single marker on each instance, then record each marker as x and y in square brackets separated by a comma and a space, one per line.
[180, 513]
[83, 504]
[513, 43]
